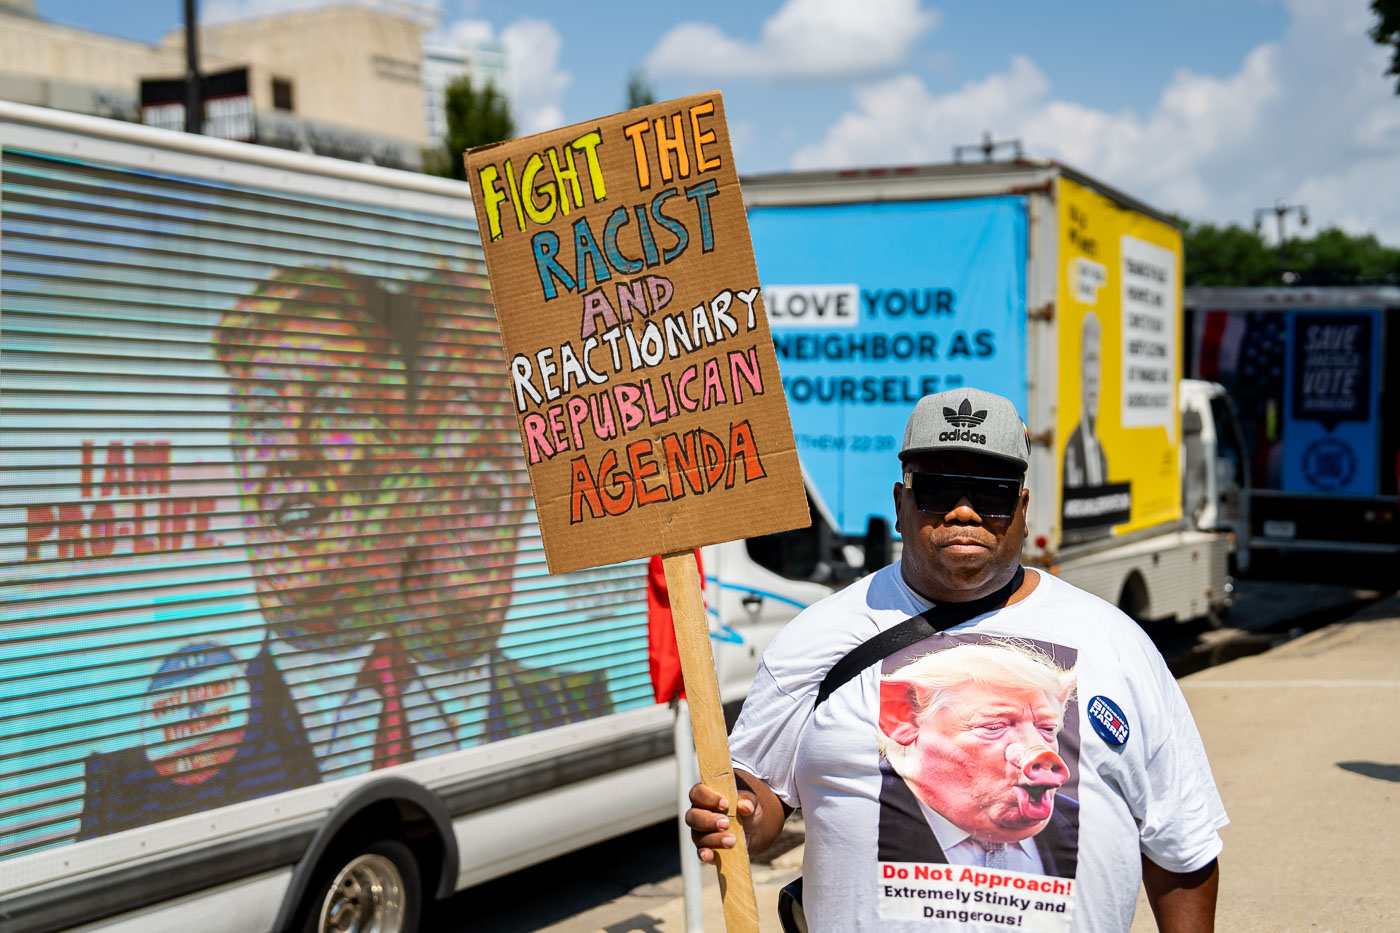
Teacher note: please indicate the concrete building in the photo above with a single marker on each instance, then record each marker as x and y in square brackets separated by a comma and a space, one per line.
[48, 65]
[329, 79]
[343, 80]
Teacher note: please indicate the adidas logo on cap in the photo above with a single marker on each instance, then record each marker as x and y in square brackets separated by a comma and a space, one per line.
[968, 418]
[964, 417]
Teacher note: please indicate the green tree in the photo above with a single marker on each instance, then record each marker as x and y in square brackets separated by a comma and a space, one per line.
[1337, 258]
[475, 117]
[1234, 255]
[639, 92]
[1386, 31]
[1228, 256]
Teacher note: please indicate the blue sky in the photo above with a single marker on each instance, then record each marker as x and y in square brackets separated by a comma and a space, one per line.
[1207, 107]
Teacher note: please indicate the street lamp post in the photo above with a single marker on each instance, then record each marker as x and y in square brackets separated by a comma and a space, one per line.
[194, 99]
[987, 147]
[1280, 211]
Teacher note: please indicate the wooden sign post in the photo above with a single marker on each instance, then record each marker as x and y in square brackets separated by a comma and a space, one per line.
[707, 725]
[639, 359]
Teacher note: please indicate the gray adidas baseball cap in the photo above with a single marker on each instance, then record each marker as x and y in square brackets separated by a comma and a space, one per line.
[967, 420]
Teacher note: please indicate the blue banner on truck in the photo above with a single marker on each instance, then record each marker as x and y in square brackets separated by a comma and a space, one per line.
[1332, 421]
[875, 305]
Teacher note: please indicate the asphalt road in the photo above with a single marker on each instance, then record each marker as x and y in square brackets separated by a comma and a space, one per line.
[611, 886]
[611, 882]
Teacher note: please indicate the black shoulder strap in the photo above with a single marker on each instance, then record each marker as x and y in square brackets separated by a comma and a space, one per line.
[935, 619]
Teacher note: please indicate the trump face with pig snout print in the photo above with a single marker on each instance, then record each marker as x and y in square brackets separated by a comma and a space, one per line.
[979, 756]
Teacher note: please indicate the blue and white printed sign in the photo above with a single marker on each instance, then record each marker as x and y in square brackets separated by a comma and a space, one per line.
[872, 307]
[1331, 425]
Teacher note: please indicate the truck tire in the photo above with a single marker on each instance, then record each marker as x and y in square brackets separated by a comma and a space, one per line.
[369, 887]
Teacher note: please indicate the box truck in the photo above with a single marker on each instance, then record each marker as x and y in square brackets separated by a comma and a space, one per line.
[1313, 373]
[1028, 279]
[278, 650]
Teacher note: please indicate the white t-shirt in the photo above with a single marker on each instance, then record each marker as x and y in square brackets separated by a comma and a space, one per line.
[1152, 794]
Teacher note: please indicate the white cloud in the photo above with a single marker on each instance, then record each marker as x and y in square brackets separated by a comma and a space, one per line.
[534, 82]
[532, 69]
[469, 33]
[899, 120]
[742, 133]
[1309, 118]
[804, 39]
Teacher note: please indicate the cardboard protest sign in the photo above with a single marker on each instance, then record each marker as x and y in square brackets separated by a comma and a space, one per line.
[641, 367]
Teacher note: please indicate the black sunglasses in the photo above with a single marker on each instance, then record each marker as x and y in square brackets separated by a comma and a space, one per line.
[939, 493]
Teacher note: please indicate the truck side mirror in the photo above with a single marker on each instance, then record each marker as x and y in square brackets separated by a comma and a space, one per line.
[878, 549]
[1190, 422]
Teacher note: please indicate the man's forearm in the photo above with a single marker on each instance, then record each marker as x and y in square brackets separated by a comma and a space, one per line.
[769, 815]
[1182, 903]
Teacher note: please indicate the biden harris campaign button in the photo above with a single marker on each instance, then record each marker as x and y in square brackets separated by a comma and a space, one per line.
[1109, 721]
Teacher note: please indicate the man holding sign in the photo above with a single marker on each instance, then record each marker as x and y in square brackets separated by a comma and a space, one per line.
[948, 784]
[641, 367]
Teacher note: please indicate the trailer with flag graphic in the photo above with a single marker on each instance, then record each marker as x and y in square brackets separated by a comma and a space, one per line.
[1313, 372]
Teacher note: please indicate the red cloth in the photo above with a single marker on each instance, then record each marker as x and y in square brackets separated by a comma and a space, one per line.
[662, 655]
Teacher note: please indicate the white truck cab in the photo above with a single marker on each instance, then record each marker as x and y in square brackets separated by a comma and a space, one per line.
[1214, 478]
